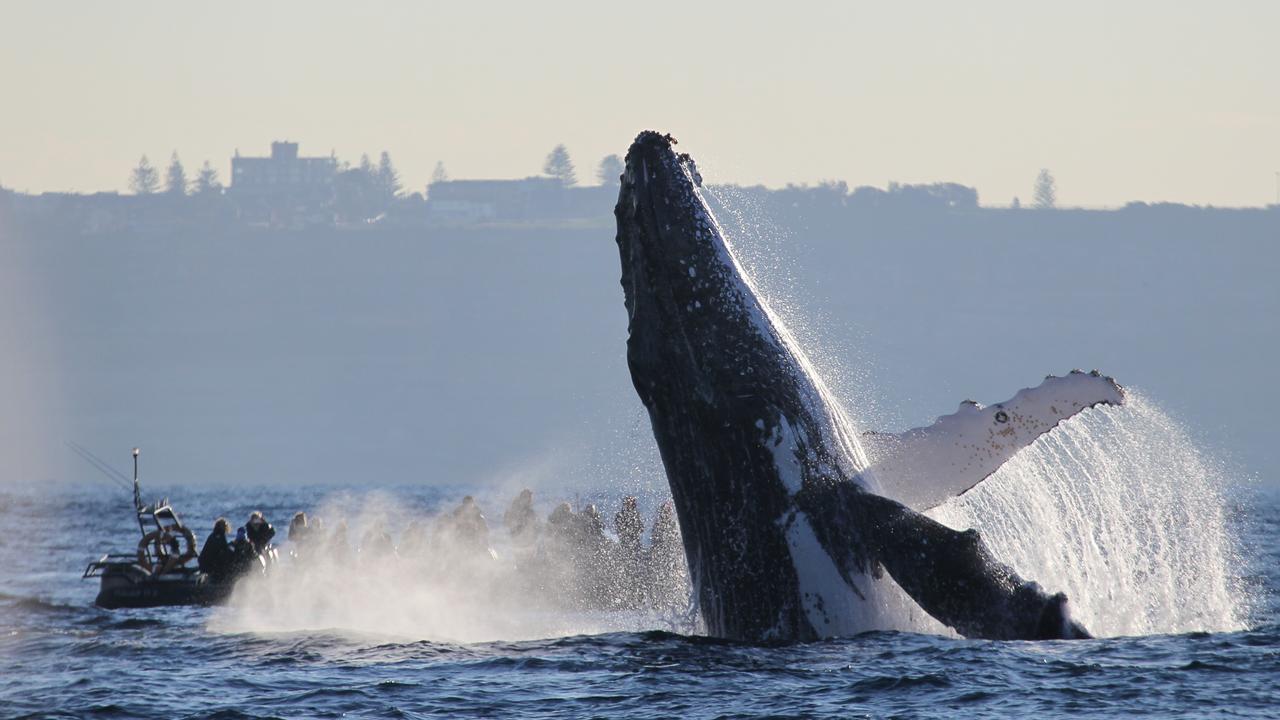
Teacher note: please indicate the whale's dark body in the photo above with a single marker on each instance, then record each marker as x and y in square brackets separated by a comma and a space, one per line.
[783, 540]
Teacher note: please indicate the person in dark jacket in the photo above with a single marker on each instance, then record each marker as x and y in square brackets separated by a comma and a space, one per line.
[521, 520]
[298, 528]
[301, 537]
[562, 526]
[469, 527]
[338, 547]
[244, 556]
[216, 557]
[630, 528]
[259, 532]
[376, 545]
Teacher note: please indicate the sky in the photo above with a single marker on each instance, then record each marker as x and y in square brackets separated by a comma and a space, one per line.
[1140, 100]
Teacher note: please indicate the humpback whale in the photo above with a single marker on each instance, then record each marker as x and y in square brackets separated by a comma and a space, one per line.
[790, 519]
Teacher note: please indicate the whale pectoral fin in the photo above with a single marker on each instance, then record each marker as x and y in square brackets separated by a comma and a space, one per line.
[927, 466]
[954, 578]
[949, 573]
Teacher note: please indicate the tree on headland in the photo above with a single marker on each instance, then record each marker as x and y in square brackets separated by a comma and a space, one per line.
[388, 179]
[1046, 195]
[439, 175]
[358, 191]
[175, 177]
[610, 171]
[1016, 204]
[560, 167]
[144, 179]
[207, 180]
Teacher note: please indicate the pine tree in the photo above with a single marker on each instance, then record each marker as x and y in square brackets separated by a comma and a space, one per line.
[1046, 195]
[144, 179]
[356, 191]
[207, 180]
[439, 175]
[560, 167]
[388, 178]
[175, 176]
[610, 170]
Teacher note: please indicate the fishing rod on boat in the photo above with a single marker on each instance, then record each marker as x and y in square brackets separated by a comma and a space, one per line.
[117, 477]
[112, 474]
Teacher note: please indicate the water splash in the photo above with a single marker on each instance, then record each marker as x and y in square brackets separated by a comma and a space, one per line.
[767, 275]
[1121, 511]
[435, 585]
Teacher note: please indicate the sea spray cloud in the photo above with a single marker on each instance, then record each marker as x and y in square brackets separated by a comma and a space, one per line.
[377, 567]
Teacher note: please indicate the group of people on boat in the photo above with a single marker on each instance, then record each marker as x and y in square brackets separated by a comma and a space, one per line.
[569, 553]
[223, 559]
[617, 571]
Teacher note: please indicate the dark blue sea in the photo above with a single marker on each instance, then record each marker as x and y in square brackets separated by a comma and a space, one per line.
[61, 657]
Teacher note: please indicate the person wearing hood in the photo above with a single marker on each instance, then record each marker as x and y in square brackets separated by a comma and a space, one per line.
[244, 556]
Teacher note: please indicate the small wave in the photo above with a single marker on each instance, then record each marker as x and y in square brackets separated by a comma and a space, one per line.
[1075, 669]
[1212, 667]
[1265, 636]
[38, 605]
[136, 624]
[394, 685]
[887, 683]
[230, 714]
[977, 696]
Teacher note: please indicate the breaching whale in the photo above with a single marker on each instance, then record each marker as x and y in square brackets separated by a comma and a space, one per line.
[789, 518]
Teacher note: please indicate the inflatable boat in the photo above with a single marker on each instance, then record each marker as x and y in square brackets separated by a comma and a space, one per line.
[158, 573]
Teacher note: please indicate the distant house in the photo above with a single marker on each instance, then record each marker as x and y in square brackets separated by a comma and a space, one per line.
[466, 201]
[284, 171]
[531, 199]
[284, 189]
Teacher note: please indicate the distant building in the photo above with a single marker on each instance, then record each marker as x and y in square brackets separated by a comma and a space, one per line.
[284, 189]
[284, 171]
[531, 199]
[480, 200]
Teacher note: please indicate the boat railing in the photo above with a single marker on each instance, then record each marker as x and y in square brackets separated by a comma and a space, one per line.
[96, 567]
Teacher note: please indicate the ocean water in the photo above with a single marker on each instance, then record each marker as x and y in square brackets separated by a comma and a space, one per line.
[356, 646]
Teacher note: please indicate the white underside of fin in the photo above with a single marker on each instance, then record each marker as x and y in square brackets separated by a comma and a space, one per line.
[924, 467]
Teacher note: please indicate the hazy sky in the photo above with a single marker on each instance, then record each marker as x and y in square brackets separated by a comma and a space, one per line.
[1138, 100]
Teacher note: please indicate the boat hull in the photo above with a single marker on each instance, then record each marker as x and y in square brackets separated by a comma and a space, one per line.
[129, 586]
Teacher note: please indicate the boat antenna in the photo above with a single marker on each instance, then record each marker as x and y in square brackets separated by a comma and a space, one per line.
[137, 492]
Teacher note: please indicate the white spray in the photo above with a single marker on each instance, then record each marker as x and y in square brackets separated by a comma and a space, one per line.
[436, 585]
[1118, 509]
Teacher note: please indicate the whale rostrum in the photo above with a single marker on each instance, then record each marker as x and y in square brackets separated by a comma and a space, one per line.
[773, 490]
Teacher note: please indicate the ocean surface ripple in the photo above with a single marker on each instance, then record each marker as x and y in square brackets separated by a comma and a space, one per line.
[61, 657]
